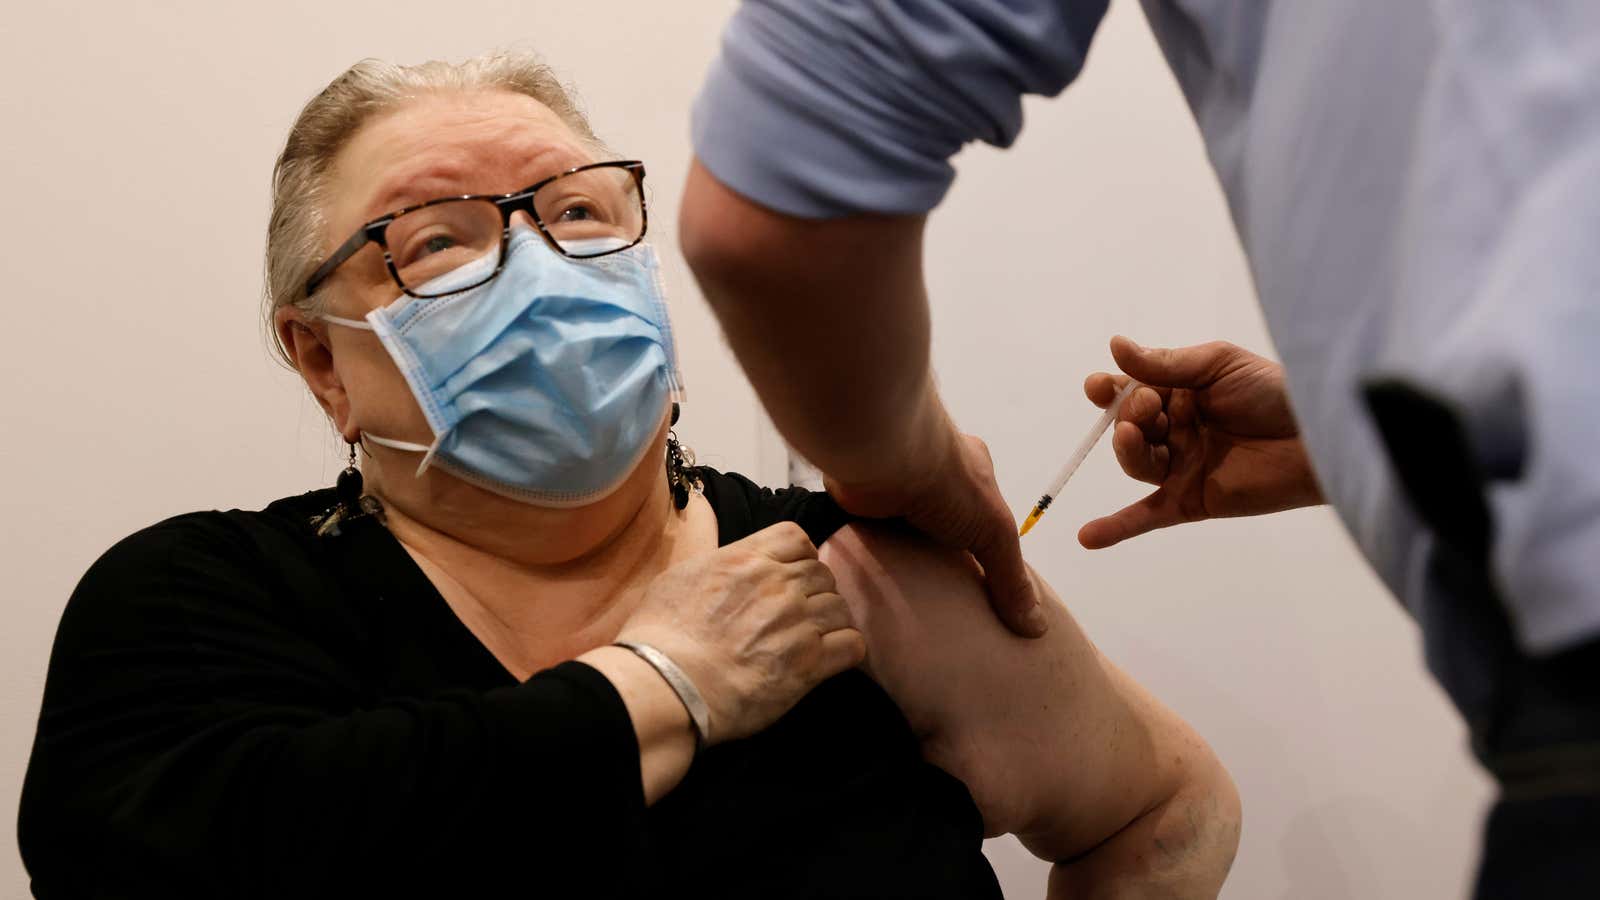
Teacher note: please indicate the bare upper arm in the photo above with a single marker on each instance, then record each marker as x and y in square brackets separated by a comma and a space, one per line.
[1055, 743]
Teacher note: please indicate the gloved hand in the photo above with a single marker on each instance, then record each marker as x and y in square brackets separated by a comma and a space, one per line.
[1212, 430]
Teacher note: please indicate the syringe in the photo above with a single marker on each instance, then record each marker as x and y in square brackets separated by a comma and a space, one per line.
[1078, 456]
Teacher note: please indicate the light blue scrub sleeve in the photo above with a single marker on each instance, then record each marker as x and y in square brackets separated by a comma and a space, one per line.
[826, 108]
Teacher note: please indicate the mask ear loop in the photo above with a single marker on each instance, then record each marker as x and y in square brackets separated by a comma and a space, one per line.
[348, 323]
[427, 458]
[426, 450]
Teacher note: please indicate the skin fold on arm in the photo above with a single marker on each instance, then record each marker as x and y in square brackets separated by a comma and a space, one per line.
[1055, 743]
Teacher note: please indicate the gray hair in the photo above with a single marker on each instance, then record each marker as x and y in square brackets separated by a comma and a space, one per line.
[295, 232]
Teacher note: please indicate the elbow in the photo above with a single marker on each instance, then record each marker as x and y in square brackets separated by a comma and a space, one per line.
[719, 239]
[1194, 835]
[706, 248]
[1203, 828]
[1182, 847]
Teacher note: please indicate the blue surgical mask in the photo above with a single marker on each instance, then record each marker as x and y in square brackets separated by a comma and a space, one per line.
[546, 384]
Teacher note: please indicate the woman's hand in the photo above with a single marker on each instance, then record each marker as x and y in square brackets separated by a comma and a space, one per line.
[1213, 431]
[755, 626]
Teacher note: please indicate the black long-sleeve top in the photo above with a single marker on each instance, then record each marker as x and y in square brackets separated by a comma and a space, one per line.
[238, 708]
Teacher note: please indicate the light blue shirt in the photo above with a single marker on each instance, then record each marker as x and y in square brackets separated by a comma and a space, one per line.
[1416, 184]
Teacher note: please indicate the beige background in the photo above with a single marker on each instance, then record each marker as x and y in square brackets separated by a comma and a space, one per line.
[138, 141]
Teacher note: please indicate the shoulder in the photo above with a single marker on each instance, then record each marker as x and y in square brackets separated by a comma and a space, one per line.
[889, 563]
[213, 534]
[922, 609]
[158, 550]
[173, 569]
[970, 690]
[744, 507]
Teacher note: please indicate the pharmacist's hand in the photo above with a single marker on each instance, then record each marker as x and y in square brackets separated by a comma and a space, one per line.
[1212, 430]
[957, 502]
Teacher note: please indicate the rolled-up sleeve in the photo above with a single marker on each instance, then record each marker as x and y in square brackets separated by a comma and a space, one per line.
[826, 108]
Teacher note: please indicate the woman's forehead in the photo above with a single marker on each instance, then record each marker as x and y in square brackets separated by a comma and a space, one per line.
[437, 145]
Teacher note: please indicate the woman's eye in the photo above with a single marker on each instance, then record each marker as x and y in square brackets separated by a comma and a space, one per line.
[576, 214]
[437, 244]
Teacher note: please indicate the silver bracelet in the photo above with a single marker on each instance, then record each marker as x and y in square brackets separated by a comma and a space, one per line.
[699, 713]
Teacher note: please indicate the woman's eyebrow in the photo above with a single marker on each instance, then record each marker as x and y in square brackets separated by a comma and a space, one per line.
[409, 188]
[443, 179]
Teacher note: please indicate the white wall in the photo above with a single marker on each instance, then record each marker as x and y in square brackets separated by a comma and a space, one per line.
[138, 142]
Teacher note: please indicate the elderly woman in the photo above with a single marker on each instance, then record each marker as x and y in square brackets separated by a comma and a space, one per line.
[516, 652]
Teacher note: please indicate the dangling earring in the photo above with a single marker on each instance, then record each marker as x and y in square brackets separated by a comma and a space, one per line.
[351, 503]
[350, 485]
[679, 460]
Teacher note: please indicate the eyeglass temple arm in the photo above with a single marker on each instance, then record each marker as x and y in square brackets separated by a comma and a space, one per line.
[346, 250]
